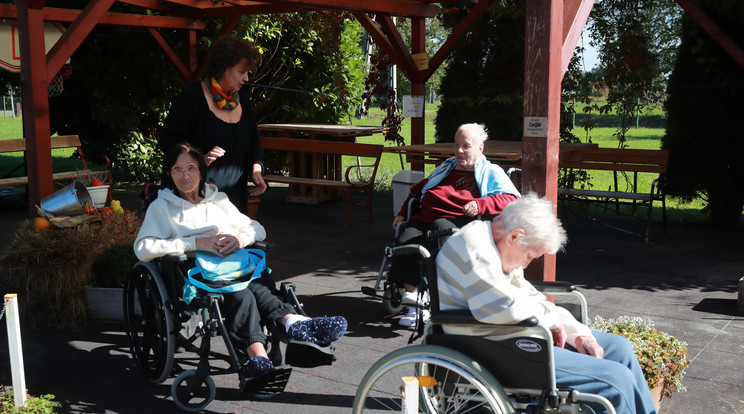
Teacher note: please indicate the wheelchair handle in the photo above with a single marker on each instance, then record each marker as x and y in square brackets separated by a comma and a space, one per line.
[407, 249]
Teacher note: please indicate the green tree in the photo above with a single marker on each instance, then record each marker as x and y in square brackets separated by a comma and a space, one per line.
[117, 97]
[484, 79]
[635, 41]
[436, 35]
[706, 96]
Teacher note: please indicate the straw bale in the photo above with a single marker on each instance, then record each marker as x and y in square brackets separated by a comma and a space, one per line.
[50, 269]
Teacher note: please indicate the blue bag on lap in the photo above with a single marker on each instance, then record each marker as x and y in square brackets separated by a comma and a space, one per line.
[224, 274]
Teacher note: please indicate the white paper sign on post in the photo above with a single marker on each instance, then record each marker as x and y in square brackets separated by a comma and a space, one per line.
[413, 106]
[536, 126]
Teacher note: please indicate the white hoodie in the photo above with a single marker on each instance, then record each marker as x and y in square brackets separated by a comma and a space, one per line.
[172, 224]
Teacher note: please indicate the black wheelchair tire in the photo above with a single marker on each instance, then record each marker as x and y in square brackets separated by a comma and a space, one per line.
[149, 322]
[189, 387]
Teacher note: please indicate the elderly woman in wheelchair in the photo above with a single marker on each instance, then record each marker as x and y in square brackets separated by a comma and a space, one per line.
[459, 190]
[496, 344]
[190, 216]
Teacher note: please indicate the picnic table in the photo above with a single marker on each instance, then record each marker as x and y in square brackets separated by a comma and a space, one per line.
[316, 165]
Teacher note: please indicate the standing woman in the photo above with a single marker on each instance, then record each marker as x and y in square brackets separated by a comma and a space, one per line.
[217, 117]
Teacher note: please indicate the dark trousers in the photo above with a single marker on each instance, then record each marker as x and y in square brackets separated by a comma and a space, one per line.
[407, 269]
[245, 311]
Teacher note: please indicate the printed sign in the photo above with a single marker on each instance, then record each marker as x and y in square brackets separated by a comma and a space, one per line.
[536, 126]
[421, 60]
[413, 106]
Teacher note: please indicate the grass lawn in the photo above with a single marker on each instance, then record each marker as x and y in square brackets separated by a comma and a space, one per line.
[12, 128]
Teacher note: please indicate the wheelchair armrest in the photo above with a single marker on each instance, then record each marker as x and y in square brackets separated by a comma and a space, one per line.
[175, 257]
[262, 245]
[464, 317]
[554, 287]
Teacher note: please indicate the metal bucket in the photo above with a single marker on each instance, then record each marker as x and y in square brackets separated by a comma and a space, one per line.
[67, 201]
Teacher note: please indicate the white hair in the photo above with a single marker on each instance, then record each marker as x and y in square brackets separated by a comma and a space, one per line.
[478, 131]
[536, 217]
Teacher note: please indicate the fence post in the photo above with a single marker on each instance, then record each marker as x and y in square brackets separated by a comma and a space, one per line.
[15, 348]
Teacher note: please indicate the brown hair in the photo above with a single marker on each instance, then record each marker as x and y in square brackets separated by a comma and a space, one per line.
[228, 51]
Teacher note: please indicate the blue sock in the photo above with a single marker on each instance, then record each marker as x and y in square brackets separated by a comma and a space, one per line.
[322, 330]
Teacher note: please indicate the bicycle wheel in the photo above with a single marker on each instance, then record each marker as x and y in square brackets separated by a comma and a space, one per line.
[149, 322]
[449, 382]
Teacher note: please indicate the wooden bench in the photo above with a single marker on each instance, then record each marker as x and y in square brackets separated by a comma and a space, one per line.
[304, 175]
[64, 141]
[622, 160]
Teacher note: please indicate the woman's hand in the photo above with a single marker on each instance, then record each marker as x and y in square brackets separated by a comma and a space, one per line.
[397, 220]
[213, 154]
[559, 336]
[470, 209]
[588, 345]
[220, 244]
[260, 187]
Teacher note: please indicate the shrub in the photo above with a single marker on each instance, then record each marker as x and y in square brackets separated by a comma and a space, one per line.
[34, 405]
[663, 357]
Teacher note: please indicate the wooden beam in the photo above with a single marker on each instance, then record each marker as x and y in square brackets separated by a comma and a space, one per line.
[542, 100]
[456, 35]
[34, 81]
[575, 15]
[418, 85]
[405, 61]
[75, 34]
[713, 30]
[174, 60]
[9, 11]
[379, 37]
[394, 8]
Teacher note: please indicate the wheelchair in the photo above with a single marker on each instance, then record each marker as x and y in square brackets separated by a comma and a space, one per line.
[160, 324]
[468, 374]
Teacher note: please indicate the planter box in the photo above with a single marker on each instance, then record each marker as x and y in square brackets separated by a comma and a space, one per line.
[105, 304]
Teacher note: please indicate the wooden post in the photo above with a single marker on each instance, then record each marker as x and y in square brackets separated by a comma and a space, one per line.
[15, 349]
[418, 87]
[34, 81]
[542, 100]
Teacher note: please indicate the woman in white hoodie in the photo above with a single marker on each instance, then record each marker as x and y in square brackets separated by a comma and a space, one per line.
[191, 215]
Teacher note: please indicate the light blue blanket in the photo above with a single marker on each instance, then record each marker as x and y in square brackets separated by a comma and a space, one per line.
[490, 177]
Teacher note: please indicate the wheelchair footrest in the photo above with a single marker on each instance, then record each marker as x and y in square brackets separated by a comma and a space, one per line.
[305, 354]
[267, 385]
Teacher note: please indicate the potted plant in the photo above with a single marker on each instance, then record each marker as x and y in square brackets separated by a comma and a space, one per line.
[98, 186]
[663, 357]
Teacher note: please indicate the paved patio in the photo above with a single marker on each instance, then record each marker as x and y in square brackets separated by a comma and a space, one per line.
[686, 281]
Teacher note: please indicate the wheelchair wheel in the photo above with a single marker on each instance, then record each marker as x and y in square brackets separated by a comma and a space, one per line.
[149, 322]
[192, 392]
[392, 299]
[448, 380]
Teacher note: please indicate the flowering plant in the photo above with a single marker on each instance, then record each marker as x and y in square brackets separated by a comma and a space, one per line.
[663, 357]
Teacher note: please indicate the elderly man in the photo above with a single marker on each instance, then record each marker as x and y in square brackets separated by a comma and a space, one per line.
[480, 268]
[460, 189]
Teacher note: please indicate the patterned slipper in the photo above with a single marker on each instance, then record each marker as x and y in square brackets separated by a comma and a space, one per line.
[256, 366]
[322, 330]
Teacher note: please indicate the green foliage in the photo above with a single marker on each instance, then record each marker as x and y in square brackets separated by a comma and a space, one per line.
[112, 267]
[663, 357]
[631, 36]
[33, 405]
[140, 157]
[485, 74]
[706, 91]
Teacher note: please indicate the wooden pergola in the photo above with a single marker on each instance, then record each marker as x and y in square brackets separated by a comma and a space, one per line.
[553, 28]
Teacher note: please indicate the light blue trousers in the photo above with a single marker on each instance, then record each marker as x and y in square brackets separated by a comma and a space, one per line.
[617, 377]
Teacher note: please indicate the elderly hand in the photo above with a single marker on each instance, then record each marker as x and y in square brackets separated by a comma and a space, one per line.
[470, 209]
[559, 336]
[260, 187]
[588, 345]
[397, 220]
[220, 244]
[213, 154]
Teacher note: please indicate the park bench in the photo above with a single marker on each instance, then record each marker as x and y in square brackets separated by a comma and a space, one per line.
[64, 141]
[620, 161]
[316, 164]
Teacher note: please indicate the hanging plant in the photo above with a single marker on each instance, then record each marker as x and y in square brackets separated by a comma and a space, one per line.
[377, 86]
